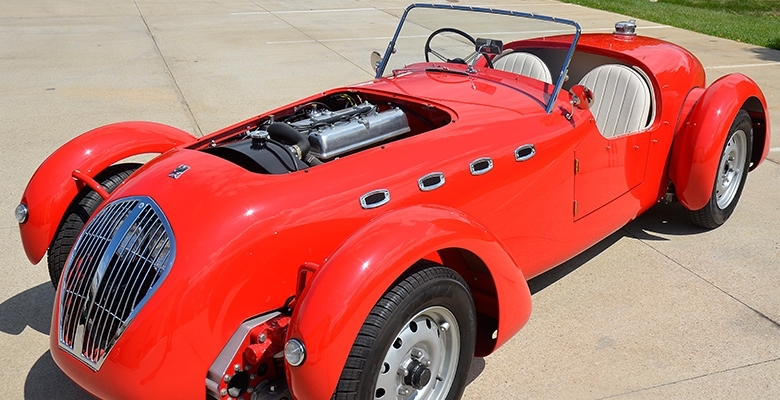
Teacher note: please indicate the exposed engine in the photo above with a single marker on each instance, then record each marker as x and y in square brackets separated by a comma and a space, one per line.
[312, 134]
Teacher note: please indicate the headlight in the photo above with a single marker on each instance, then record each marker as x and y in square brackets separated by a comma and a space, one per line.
[294, 352]
[21, 213]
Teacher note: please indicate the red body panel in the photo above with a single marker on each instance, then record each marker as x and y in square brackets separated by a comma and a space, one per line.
[241, 237]
[698, 144]
[51, 189]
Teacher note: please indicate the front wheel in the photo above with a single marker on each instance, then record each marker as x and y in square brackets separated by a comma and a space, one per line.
[417, 342]
[730, 177]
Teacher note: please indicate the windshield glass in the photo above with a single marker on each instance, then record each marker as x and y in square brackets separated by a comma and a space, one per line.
[448, 33]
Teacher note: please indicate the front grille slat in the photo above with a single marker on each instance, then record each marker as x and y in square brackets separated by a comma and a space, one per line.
[129, 298]
[75, 278]
[114, 273]
[120, 258]
[105, 223]
[119, 275]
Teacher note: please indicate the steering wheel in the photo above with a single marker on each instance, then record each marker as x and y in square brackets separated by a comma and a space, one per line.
[456, 60]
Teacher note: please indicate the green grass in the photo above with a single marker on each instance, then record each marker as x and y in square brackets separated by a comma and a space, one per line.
[750, 21]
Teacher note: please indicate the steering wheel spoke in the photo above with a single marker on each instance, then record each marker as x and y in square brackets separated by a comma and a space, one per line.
[460, 60]
[440, 56]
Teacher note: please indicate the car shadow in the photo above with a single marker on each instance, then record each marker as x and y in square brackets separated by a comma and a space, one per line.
[661, 219]
[771, 53]
[29, 308]
[46, 381]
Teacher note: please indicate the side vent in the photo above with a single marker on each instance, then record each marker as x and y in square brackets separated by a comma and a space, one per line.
[375, 198]
[481, 166]
[431, 181]
[525, 152]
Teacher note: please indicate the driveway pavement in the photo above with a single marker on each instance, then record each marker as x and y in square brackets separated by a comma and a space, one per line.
[657, 310]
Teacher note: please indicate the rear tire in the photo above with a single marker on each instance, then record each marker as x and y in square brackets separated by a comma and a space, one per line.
[730, 177]
[77, 214]
[417, 342]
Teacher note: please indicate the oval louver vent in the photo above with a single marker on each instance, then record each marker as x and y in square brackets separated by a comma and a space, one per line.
[118, 261]
[431, 181]
[481, 166]
[375, 198]
[525, 152]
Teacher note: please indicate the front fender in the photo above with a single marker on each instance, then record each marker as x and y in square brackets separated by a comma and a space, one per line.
[52, 188]
[346, 287]
[700, 139]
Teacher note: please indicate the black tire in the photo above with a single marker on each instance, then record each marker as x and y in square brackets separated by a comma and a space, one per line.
[77, 214]
[730, 177]
[408, 325]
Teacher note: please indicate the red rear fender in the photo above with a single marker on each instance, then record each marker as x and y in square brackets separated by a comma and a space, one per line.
[52, 188]
[342, 292]
[702, 135]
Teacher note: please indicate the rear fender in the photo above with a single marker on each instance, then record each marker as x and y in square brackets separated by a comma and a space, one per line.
[342, 292]
[702, 135]
[52, 188]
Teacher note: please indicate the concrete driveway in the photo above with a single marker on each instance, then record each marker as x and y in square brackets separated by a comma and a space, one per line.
[657, 310]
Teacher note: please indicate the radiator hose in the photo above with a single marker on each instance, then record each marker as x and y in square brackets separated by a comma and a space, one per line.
[288, 135]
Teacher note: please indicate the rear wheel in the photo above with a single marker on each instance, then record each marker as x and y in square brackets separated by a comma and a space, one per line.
[417, 342]
[77, 214]
[731, 175]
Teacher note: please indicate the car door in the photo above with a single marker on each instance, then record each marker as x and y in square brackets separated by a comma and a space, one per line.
[606, 168]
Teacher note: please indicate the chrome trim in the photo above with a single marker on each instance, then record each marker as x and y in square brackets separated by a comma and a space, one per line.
[121, 257]
[374, 204]
[426, 187]
[564, 67]
[225, 357]
[520, 149]
[473, 166]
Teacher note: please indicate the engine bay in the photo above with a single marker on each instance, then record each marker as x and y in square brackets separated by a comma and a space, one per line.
[323, 129]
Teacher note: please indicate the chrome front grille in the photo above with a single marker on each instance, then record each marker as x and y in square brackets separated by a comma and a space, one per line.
[117, 263]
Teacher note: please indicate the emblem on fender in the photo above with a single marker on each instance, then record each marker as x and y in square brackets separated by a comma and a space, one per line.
[181, 169]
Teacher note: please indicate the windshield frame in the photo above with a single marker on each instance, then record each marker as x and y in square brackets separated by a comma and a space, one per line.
[562, 73]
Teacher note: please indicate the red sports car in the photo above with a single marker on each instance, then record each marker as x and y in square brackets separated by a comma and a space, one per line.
[366, 242]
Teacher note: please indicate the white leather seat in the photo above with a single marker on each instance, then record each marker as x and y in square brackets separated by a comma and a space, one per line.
[524, 64]
[621, 99]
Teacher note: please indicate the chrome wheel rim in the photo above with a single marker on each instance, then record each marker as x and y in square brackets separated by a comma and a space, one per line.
[428, 345]
[730, 169]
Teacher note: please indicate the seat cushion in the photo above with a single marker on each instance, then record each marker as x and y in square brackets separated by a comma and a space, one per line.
[621, 99]
[524, 64]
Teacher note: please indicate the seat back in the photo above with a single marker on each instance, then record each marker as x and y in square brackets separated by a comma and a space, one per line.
[621, 99]
[524, 64]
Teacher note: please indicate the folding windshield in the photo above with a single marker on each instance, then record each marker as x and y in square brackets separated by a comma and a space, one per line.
[452, 33]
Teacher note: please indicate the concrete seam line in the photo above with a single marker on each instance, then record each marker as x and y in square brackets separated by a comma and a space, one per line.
[694, 378]
[759, 313]
[169, 71]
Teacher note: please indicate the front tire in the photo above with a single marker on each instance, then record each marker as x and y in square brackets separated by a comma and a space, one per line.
[77, 214]
[731, 175]
[417, 342]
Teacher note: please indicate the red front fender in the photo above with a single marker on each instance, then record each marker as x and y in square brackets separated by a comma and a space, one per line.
[342, 292]
[52, 188]
[701, 137]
